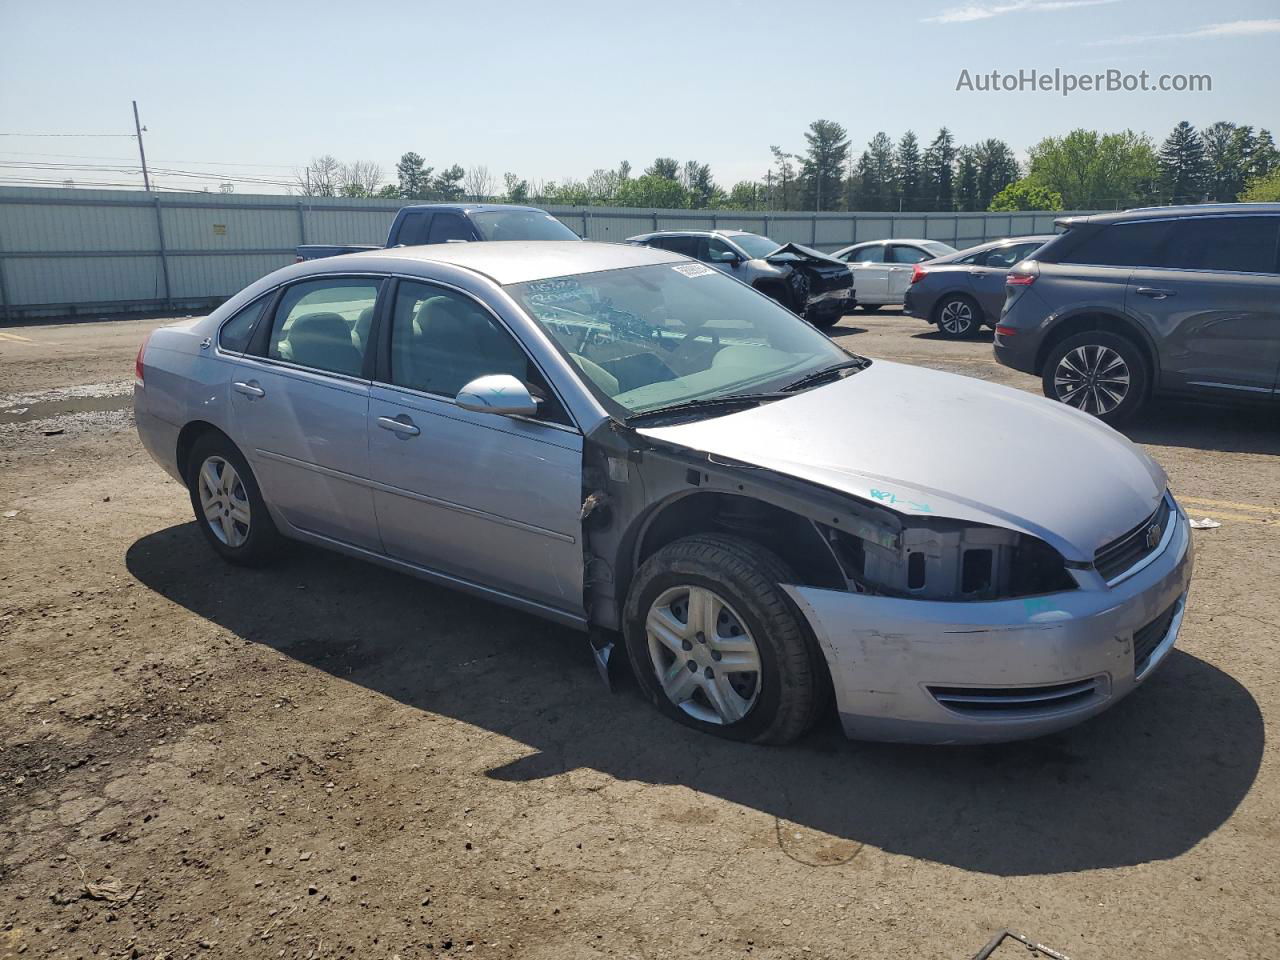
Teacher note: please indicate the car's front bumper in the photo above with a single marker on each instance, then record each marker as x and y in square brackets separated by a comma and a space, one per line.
[942, 672]
[839, 302]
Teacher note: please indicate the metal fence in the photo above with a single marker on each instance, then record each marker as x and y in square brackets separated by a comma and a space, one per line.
[67, 252]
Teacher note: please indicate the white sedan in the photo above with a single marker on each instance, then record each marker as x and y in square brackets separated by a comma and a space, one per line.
[882, 268]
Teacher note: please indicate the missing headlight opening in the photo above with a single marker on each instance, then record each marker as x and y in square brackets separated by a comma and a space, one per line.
[951, 561]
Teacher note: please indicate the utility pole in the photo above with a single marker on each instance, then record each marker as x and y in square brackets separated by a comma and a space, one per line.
[146, 180]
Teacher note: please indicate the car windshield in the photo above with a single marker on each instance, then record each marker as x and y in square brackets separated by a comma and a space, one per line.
[653, 336]
[520, 225]
[938, 249]
[755, 245]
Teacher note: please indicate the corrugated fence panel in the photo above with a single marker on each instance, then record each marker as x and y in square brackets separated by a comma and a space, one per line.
[73, 250]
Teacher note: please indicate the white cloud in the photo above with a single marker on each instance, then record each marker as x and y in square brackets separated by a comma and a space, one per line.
[1231, 28]
[967, 14]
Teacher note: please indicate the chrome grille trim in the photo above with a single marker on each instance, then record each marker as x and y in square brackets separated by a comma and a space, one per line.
[1127, 554]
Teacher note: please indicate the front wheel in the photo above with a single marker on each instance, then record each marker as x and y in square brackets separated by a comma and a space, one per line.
[958, 317]
[1098, 372]
[823, 320]
[716, 644]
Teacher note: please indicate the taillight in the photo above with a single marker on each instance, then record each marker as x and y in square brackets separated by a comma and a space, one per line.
[1003, 331]
[1020, 279]
[137, 363]
[918, 273]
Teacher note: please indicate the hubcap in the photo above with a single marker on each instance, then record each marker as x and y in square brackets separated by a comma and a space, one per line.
[956, 317]
[703, 656]
[225, 501]
[1093, 378]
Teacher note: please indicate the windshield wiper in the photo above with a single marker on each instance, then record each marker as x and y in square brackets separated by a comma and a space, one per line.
[704, 403]
[809, 379]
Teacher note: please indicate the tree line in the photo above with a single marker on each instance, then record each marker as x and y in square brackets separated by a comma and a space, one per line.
[1081, 170]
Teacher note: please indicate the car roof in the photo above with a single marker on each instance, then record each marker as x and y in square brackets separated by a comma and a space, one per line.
[869, 243]
[993, 244]
[467, 207]
[519, 261]
[693, 233]
[1165, 213]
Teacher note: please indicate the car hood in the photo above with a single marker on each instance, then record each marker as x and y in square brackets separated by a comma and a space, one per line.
[935, 444]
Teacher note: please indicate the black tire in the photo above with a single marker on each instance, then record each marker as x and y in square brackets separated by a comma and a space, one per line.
[961, 314]
[792, 680]
[870, 307]
[823, 320]
[261, 541]
[1098, 348]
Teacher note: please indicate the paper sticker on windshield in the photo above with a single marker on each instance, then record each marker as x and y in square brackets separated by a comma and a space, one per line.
[692, 269]
[551, 292]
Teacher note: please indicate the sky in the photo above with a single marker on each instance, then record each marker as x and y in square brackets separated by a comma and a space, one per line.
[253, 91]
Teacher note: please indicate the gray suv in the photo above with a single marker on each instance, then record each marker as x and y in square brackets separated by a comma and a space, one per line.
[1166, 300]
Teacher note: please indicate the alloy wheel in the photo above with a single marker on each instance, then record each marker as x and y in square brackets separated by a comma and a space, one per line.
[703, 656]
[1092, 378]
[224, 501]
[956, 317]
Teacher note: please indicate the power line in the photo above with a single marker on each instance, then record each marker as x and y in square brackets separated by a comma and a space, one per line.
[127, 136]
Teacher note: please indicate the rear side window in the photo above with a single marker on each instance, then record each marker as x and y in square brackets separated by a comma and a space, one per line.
[449, 226]
[318, 324]
[904, 254]
[413, 229]
[237, 333]
[1136, 244]
[686, 245]
[871, 254]
[1242, 244]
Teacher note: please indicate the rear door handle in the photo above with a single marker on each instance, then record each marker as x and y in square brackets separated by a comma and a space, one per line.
[401, 426]
[250, 389]
[1155, 293]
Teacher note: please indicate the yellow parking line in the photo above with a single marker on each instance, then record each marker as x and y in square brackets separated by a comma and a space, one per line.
[14, 336]
[1230, 504]
[1238, 518]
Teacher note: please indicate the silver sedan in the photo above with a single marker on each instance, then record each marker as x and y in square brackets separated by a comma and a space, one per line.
[644, 449]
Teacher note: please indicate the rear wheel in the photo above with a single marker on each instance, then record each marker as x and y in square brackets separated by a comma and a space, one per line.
[228, 504]
[1099, 372]
[958, 316]
[716, 644]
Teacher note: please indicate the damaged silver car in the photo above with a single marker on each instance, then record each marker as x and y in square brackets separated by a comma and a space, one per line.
[632, 444]
[805, 281]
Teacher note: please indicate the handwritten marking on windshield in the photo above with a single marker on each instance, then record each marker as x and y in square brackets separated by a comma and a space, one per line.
[885, 496]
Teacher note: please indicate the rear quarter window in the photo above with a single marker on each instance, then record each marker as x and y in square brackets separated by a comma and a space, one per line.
[237, 333]
[1136, 244]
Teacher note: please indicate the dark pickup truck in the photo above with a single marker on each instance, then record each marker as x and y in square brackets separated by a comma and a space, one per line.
[455, 223]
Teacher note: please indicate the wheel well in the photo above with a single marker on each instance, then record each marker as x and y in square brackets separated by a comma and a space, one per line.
[775, 289]
[787, 534]
[1098, 321]
[187, 438]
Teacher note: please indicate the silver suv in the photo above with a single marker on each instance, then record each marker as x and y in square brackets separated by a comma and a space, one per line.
[1166, 300]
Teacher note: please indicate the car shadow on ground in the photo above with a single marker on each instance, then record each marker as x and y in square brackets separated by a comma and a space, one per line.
[985, 335]
[1145, 781]
[1224, 427]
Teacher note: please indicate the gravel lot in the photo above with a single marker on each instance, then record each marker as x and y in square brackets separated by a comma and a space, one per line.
[325, 759]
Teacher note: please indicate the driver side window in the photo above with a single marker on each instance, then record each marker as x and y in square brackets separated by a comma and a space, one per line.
[441, 340]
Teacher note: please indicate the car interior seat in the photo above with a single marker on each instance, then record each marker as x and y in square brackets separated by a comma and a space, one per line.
[322, 340]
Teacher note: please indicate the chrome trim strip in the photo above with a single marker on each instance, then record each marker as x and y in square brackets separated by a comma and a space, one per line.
[422, 498]
[1165, 645]
[1229, 386]
[1175, 514]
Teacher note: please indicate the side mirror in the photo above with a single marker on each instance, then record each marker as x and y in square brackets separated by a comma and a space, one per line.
[498, 393]
[732, 259]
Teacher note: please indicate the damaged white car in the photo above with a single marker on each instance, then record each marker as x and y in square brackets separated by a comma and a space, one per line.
[643, 448]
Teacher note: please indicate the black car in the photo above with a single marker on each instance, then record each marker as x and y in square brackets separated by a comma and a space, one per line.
[1165, 300]
[964, 291]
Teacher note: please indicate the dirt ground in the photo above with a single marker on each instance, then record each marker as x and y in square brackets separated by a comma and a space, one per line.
[324, 759]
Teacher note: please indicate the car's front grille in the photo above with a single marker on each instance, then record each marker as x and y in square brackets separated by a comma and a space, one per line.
[1122, 553]
[1146, 639]
[989, 701]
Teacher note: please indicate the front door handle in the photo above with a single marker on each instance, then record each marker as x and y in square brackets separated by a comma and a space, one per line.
[401, 426]
[1155, 293]
[249, 389]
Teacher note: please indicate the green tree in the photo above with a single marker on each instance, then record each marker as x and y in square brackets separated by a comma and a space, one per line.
[1221, 155]
[1182, 167]
[783, 183]
[389, 191]
[1264, 189]
[651, 190]
[966, 183]
[875, 175]
[1092, 170]
[822, 165]
[698, 182]
[517, 190]
[746, 195]
[1265, 156]
[668, 168]
[448, 183]
[939, 171]
[997, 168]
[412, 178]
[907, 166]
[1025, 195]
